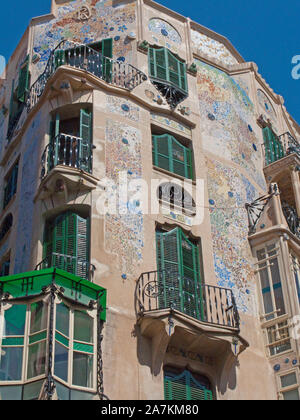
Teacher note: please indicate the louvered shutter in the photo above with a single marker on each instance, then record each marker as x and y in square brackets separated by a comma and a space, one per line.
[151, 57]
[184, 387]
[192, 300]
[174, 70]
[161, 64]
[107, 53]
[168, 257]
[82, 269]
[178, 159]
[85, 147]
[273, 146]
[161, 152]
[23, 80]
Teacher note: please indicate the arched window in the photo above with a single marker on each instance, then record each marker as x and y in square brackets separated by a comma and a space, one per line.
[186, 386]
[171, 155]
[175, 196]
[6, 226]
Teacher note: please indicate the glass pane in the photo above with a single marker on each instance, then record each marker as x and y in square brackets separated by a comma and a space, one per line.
[62, 319]
[61, 361]
[83, 370]
[11, 360]
[83, 327]
[32, 391]
[81, 396]
[63, 392]
[10, 393]
[261, 255]
[14, 320]
[291, 395]
[288, 380]
[36, 360]
[39, 316]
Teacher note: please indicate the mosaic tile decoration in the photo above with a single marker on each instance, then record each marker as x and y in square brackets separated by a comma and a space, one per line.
[175, 125]
[232, 254]
[267, 109]
[212, 48]
[165, 33]
[106, 21]
[228, 118]
[117, 105]
[124, 234]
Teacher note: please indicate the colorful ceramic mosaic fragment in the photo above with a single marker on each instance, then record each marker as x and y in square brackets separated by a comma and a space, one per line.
[212, 48]
[164, 32]
[124, 108]
[175, 125]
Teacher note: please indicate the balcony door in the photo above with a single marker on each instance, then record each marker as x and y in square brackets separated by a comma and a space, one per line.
[179, 273]
[66, 244]
[71, 142]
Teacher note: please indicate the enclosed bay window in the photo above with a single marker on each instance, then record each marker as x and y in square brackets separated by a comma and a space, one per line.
[178, 261]
[278, 338]
[186, 386]
[66, 244]
[270, 282]
[171, 155]
[296, 271]
[289, 386]
[168, 73]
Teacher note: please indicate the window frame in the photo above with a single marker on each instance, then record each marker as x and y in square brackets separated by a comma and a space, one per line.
[11, 184]
[282, 389]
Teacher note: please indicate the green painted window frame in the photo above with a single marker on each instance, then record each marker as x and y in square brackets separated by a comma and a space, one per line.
[185, 387]
[11, 185]
[24, 80]
[178, 262]
[165, 66]
[163, 150]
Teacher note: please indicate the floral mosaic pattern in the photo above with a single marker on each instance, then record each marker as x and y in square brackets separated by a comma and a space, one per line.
[164, 32]
[232, 256]
[124, 233]
[212, 48]
[266, 108]
[106, 21]
[124, 108]
[228, 118]
[167, 122]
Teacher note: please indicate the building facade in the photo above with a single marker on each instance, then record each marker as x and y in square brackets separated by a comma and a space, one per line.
[149, 230]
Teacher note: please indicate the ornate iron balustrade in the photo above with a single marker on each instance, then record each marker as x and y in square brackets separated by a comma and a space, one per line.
[67, 151]
[292, 218]
[68, 263]
[160, 290]
[284, 145]
[83, 57]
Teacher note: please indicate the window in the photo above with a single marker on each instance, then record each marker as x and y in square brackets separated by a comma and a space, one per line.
[70, 142]
[273, 146]
[178, 262]
[11, 185]
[6, 226]
[164, 66]
[296, 271]
[74, 347]
[66, 244]
[289, 387]
[186, 386]
[171, 155]
[175, 197]
[278, 338]
[270, 282]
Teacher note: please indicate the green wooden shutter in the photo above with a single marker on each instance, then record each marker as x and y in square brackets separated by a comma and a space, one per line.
[59, 58]
[107, 53]
[184, 387]
[173, 70]
[85, 147]
[151, 59]
[192, 299]
[82, 269]
[273, 146]
[161, 151]
[85, 125]
[23, 85]
[161, 64]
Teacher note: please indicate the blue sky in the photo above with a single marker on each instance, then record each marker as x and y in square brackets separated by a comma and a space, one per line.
[265, 32]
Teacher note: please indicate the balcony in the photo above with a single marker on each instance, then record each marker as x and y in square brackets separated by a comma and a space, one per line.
[170, 314]
[278, 147]
[70, 264]
[161, 291]
[83, 57]
[68, 151]
[292, 218]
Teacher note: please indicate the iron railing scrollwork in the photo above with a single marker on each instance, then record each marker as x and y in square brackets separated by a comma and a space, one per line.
[69, 151]
[69, 263]
[210, 304]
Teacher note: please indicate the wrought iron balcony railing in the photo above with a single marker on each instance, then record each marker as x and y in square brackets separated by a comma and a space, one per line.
[83, 57]
[68, 263]
[67, 151]
[166, 290]
[280, 147]
[292, 218]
